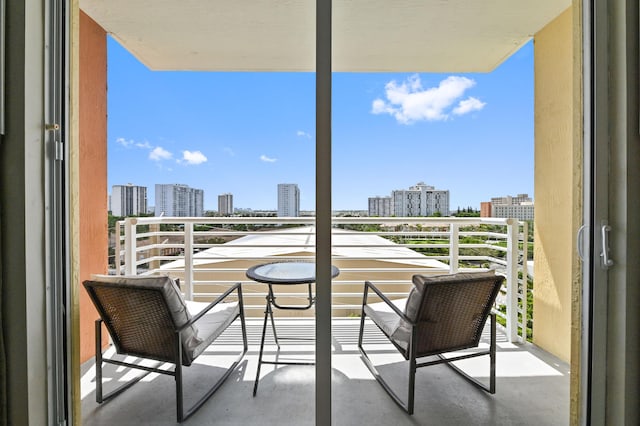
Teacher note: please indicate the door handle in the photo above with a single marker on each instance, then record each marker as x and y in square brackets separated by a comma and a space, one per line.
[580, 242]
[606, 260]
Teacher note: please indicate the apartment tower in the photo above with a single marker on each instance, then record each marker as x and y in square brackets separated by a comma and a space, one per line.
[128, 200]
[520, 207]
[420, 200]
[225, 204]
[380, 206]
[179, 200]
[288, 200]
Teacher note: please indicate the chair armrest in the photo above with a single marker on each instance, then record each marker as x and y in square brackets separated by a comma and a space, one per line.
[236, 286]
[385, 299]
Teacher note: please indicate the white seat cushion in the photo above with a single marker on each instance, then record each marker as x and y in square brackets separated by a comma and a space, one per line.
[210, 326]
[384, 316]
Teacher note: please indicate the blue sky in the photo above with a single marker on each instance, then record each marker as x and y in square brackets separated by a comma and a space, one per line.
[244, 133]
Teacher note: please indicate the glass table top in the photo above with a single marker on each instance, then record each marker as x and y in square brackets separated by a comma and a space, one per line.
[286, 272]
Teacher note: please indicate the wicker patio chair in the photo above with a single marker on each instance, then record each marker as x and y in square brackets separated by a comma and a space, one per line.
[147, 317]
[442, 314]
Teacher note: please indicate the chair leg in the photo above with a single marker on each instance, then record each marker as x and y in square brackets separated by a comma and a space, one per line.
[98, 344]
[492, 356]
[182, 416]
[100, 397]
[362, 315]
[412, 385]
[178, 378]
[491, 388]
[408, 407]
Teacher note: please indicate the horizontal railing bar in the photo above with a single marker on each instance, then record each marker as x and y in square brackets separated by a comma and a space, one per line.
[444, 245]
[302, 296]
[304, 258]
[280, 258]
[335, 307]
[160, 246]
[432, 221]
[146, 235]
[342, 270]
[335, 282]
[345, 270]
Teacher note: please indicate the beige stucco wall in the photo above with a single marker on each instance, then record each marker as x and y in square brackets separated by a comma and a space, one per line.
[557, 184]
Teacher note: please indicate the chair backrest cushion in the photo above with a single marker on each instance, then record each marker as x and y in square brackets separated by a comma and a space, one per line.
[142, 313]
[449, 310]
[412, 308]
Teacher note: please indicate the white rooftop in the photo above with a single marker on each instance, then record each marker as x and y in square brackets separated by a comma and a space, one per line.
[346, 244]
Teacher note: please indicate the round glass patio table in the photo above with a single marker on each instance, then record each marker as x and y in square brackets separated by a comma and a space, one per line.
[283, 273]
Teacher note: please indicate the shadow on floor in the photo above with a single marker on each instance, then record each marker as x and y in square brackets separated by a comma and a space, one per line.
[532, 389]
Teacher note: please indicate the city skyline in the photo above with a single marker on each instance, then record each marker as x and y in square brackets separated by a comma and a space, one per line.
[243, 133]
[377, 206]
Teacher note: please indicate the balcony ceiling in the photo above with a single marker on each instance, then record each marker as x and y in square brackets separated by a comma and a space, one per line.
[279, 35]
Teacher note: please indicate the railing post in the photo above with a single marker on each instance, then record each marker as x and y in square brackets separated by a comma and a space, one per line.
[512, 280]
[454, 247]
[188, 260]
[154, 228]
[525, 278]
[130, 245]
[117, 250]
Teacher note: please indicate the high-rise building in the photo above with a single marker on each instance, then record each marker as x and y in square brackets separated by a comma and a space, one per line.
[128, 200]
[225, 204]
[380, 206]
[520, 207]
[524, 211]
[179, 200]
[420, 200]
[288, 200]
[510, 200]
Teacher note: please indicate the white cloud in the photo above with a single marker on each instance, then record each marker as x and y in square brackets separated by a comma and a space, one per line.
[303, 134]
[268, 159]
[379, 107]
[158, 153]
[131, 143]
[193, 158]
[410, 102]
[124, 142]
[468, 105]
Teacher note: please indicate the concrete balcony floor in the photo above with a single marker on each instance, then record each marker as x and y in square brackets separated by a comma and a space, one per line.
[532, 386]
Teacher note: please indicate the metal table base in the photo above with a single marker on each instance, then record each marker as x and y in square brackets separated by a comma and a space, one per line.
[268, 314]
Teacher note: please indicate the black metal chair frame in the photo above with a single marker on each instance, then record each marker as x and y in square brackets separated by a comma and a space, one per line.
[413, 364]
[177, 369]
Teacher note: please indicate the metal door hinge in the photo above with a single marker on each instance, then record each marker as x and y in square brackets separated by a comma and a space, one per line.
[59, 150]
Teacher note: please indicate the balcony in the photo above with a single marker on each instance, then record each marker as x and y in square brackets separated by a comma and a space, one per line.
[532, 386]
[209, 253]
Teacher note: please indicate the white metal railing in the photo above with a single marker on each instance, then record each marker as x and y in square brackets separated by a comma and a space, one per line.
[194, 249]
